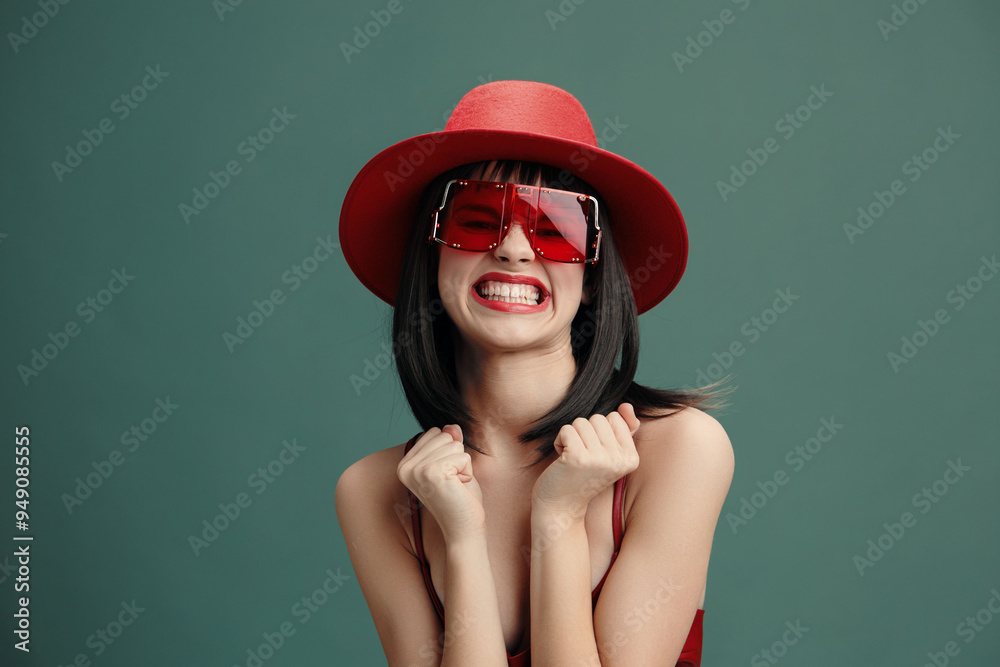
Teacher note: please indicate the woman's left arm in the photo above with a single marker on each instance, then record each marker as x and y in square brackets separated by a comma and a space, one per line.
[650, 597]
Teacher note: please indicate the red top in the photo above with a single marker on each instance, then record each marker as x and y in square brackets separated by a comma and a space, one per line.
[691, 653]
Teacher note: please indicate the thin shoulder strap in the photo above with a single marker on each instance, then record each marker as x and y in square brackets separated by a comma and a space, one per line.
[618, 511]
[418, 541]
[415, 511]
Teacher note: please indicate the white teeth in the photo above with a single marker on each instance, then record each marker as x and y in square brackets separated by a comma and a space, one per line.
[508, 299]
[509, 292]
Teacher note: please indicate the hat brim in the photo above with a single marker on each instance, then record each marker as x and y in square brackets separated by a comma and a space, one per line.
[379, 207]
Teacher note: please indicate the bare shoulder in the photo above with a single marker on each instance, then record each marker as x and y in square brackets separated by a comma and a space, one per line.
[371, 506]
[685, 449]
[371, 470]
[688, 432]
[370, 489]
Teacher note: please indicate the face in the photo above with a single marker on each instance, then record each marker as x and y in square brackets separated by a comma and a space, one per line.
[466, 278]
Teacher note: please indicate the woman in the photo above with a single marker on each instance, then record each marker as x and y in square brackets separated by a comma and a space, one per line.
[552, 510]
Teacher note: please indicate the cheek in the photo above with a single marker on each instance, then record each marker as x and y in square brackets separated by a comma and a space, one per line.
[453, 274]
[568, 283]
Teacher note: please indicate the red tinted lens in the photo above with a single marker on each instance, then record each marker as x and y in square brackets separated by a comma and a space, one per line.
[472, 216]
[561, 225]
[564, 229]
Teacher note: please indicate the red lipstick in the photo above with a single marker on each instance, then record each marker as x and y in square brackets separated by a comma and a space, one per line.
[519, 279]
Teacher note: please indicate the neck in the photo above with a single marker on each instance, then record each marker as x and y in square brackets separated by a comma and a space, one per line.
[507, 390]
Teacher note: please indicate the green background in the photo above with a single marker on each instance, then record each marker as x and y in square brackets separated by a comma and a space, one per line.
[162, 336]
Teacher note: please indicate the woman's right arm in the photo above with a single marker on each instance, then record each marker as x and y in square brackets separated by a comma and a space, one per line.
[472, 608]
[391, 580]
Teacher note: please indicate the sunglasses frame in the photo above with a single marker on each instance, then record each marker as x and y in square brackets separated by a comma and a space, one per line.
[530, 234]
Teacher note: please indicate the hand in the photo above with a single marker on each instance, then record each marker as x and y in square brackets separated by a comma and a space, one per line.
[593, 454]
[438, 471]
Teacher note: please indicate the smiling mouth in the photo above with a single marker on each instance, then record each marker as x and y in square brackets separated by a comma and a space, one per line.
[493, 290]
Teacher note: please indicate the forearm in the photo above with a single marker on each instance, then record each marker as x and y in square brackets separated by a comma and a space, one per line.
[473, 634]
[562, 620]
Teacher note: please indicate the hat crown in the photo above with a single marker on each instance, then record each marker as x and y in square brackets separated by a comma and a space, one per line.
[523, 106]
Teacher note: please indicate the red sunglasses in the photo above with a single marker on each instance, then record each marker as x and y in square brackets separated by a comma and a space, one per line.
[476, 216]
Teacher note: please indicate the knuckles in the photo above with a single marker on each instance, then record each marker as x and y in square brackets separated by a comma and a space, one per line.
[425, 477]
[597, 419]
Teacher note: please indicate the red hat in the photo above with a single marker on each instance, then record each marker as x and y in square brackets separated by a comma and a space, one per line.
[517, 120]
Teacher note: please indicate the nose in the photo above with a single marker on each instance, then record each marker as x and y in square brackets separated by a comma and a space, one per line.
[515, 246]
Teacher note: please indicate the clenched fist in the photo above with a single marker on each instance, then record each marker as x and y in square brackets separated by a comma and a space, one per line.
[438, 471]
[593, 453]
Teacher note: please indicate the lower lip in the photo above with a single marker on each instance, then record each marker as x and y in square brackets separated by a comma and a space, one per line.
[511, 307]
